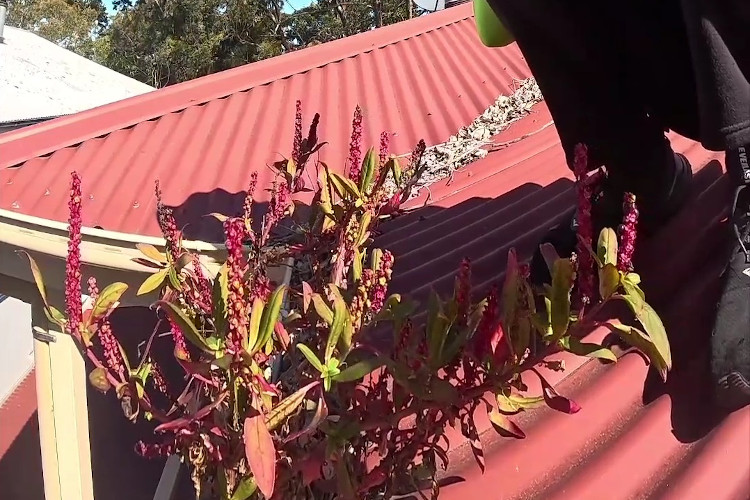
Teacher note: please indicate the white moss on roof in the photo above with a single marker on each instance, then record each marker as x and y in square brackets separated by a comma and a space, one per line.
[39, 79]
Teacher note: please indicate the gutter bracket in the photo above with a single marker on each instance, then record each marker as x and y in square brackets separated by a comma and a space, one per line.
[43, 335]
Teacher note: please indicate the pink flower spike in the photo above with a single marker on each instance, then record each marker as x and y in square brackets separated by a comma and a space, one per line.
[297, 147]
[354, 163]
[180, 347]
[385, 140]
[167, 225]
[74, 307]
[249, 197]
[463, 289]
[237, 298]
[628, 233]
[585, 230]
[111, 348]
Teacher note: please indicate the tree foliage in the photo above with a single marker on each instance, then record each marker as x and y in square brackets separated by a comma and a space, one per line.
[162, 42]
[68, 23]
[170, 41]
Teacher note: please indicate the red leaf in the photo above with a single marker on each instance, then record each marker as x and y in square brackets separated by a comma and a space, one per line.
[505, 426]
[307, 293]
[282, 334]
[178, 423]
[260, 454]
[321, 413]
[557, 402]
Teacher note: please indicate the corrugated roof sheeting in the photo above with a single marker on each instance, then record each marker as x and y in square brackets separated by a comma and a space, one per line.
[634, 437]
[417, 84]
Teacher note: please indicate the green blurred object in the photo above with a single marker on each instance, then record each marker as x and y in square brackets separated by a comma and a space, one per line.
[490, 28]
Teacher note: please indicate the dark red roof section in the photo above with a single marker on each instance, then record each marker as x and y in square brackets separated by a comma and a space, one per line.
[634, 437]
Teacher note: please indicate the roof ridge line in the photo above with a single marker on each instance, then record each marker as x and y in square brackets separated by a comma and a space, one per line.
[30, 142]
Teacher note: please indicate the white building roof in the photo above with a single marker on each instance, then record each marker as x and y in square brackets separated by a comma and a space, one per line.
[39, 79]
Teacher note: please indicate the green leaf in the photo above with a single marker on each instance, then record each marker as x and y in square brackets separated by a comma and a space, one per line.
[270, 316]
[98, 379]
[505, 426]
[245, 489]
[253, 328]
[437, 327]
[636, 338]
[369, 168]
[153, 282]
[311, 357]
[219, 295]
[632, 278]
[107, 299]
[55, 316]
[325, 312]
[562, 282]
[514, 403]
[38, 279]
[442, 391]
[357, 264]
[340, 317]
[375, 257]
[359, 370]
[260, 453]
[343, 186]
[364, 226]
[185, 325]
[632, 288]
[151, 252]
[395, 168]
[287, 406]
[652, 324]
[609, 280]
[510, 289]
[579, 348]
[606, 248]
[174, 280]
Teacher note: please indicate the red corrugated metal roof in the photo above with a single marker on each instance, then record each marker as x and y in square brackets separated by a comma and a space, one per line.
[419, 79]
[634, 437]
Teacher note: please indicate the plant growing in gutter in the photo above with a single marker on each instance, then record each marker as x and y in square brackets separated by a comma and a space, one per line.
[329, 386]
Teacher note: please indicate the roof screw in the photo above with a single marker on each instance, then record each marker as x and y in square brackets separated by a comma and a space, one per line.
[136, 204]
[91, 197]
[15, 205]
[46, 192]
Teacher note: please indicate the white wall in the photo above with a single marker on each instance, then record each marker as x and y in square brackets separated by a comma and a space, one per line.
[16, 344]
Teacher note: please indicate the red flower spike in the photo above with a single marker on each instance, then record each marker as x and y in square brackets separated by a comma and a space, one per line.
[180, 347]
[628, 233]
[157, 377]
[416, 155]
[463, 289]
[111, 348]
[93, 289]
[585, 225]
[237, 297]
[297, 147]
[379, 288]
[354, 163]
[385, 140]
[249, 197]
[482, 339]
[73, 262]
[154, 450]
[167, 225]
[203, 293]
